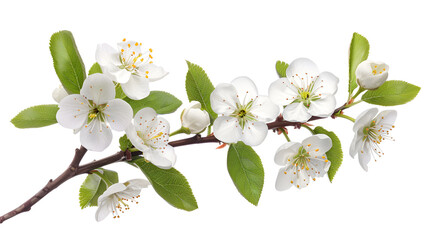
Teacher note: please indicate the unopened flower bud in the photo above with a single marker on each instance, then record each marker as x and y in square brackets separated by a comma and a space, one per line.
[59, 93]
[195, 119]
[371, 74]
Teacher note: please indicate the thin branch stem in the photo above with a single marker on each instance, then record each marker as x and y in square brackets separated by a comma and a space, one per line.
[308, 128]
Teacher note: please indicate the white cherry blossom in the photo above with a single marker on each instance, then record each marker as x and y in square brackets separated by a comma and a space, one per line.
[304, 92]
[371, 74]
[243, 113]
[130, 67]
[114, 199]
[194, 118]
[59, 93]
[370, 130]
[150, 134]
[302, 162]
[94, 111]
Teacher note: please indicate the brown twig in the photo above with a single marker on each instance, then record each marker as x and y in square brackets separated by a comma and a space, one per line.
[75, 169]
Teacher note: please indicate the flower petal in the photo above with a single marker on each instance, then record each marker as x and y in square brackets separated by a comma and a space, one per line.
[281, 92]
[136, 88]
[118, 114]
[323, 107]
[135, 186]
[153, 72]
[246, 89]
[284, 179]
[96, 136]
[285, 152]
[296, 112]
[158, 133]
[103, 210]
[107, 55]
[320, 166]
[364, 156]
[301, 71]
[162, 158]
[135, 139]
[115, 188]
[325, 84]
[357, 144]
[227, 129]
[224, 99]
[264, 110]
[317, 145]
[364, 119]
[387, 117]
[59, 93]
[254, 133]
[98, 88]
[73, 111]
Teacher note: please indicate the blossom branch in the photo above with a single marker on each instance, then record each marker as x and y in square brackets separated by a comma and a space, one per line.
[75, 169]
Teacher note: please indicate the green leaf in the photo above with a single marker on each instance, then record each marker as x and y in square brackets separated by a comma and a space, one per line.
[36, 116]
[281, 68]
[246, 171]
[170, 184]
[119, 92]
[125, 143]
[359, 50]
[199, 87]
[95, 69]
[93, 186]
[392, 93]
[335, 154]
[67, 61]
[161, 102]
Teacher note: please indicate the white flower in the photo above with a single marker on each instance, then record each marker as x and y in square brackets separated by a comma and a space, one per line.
[92, 112]
[370, 131]
[114, 199]
[130, 67]
[59, 93]
[304, 91]
[302, 162]
[150, 135]
[195, 119]
[244, 113]
[371, 74]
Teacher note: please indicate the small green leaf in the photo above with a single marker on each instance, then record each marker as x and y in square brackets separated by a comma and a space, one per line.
[125, 143]
[359, 50]
[392, 93]
[161, 102]
[335, 154]
[119, 92]
[36, 116]
[67, 61]
[95, 69]
[281, 68]
[199, 87]
[246, 171]
[93, 186]
[170, 184]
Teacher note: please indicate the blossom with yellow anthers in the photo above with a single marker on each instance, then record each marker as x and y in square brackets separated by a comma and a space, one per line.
[94, 111]
[370, 131]
[302, 161]
[118, 197]
[129, 66]
[371, 74]
[150, 134]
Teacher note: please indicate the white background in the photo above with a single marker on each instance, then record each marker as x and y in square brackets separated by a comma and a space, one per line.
[228, 39]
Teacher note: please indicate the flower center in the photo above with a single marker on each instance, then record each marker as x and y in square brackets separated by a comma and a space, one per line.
[378, 69]
[305, 95]
[122, 206]
[243, 114]
[375, 134]
[131, 57]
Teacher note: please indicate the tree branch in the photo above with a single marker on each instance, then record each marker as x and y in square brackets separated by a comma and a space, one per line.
[74, 169]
